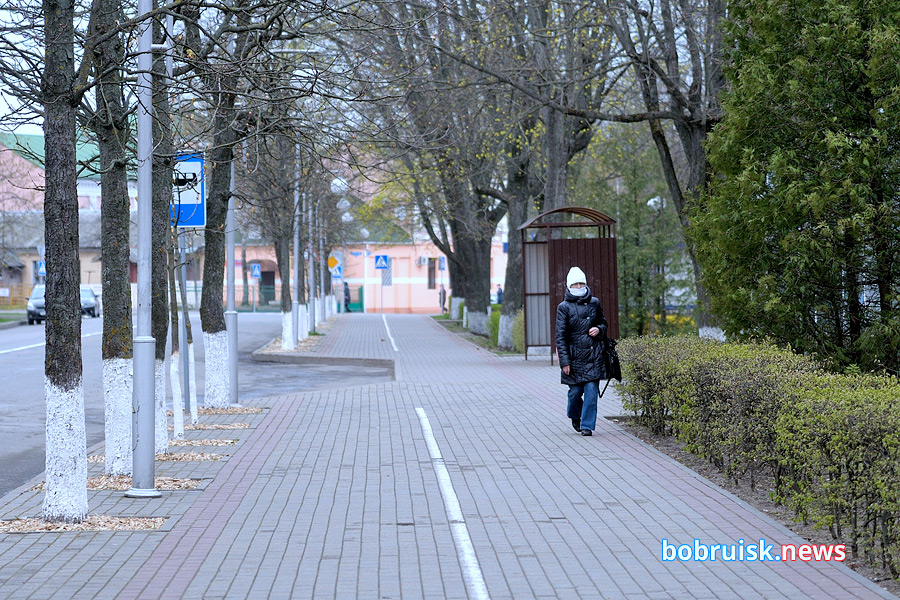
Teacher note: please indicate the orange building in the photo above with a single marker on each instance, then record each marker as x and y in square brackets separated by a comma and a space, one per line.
[411, 281]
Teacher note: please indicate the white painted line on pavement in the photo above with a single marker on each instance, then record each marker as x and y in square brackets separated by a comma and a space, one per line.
[390, 337]
[22, 348]
[41, 344]
[464, 548]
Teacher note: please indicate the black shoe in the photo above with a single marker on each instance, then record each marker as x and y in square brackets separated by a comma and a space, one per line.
[587, 432]
[576, 424]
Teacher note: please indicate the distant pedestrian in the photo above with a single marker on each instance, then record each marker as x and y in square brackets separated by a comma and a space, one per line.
[580, 334]
[499, 294]
[346, 297]
[442, 298]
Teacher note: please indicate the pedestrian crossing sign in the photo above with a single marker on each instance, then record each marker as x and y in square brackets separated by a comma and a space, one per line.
[256, 270]
[382, 261]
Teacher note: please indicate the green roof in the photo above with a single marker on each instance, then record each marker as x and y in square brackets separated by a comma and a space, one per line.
[31, 148]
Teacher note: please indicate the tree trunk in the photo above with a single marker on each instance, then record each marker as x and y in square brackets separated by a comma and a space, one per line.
[514, 290]
[113, 136]
[65, 498]
[476, 252]
[556, 159]
[283, 258]
[212, 311]
[163, 169]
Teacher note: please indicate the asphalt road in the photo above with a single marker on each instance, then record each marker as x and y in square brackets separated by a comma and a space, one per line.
[22, 403]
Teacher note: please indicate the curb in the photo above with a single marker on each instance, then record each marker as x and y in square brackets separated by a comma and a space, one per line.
[39, 478]
[333, 361]
[11, 324]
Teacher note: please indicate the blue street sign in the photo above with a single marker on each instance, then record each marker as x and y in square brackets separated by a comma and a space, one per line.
[443, 263]
[42, 268]
[188, 207]
[255, 270]
[337, 272]
[382, 261]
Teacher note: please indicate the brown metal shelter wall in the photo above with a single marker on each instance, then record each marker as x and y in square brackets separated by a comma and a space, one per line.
[538, 329]
[597, 258]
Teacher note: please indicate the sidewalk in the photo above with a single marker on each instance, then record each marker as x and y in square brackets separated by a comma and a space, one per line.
[460, 479]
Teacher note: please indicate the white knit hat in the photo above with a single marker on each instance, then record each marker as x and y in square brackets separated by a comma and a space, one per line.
[575, 275]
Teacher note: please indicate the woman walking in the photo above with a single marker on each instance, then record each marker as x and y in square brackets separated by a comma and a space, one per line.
[580, 334]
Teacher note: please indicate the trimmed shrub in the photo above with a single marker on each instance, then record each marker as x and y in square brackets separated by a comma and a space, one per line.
[832, 442]
[655, 377]
[839, 450]
[494, 323]
[741, 389]
[518, 332]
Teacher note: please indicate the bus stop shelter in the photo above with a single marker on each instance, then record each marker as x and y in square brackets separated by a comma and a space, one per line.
[552, 243]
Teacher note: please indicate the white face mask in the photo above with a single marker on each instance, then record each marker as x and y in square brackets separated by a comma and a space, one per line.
[578, 292]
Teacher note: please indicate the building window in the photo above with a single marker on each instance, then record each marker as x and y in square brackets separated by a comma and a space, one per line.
[432, 262]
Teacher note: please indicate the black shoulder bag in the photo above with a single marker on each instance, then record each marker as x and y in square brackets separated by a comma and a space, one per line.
[613, 367]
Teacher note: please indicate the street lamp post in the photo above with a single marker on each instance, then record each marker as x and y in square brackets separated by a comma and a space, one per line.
[231, 321]
[339, 188]
[143, 400]
[324, 313]
[295, 305]
[312, 268]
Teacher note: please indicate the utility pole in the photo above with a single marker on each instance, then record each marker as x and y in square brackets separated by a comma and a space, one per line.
[231, 320]
[143, 400]
[295, 305]
[312, 269]
[324, 313]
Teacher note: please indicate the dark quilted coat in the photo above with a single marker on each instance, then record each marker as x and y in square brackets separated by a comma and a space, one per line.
[583, 353]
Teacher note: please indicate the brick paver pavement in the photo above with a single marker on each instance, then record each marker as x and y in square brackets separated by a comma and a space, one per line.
[335, 494]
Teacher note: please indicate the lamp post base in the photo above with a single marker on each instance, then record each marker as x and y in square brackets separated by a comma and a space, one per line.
[139, 493]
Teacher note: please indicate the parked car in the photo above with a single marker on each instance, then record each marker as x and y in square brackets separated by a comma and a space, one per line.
[90, 304]
[35, 307]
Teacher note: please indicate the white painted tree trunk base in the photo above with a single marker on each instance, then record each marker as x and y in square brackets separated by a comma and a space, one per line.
[161, 434]
[455, 308]
[177, 399]
[303, 326]
[192, 391]
[477, 322]
[505, 333]
[287, 331]
[216, 385]
[117, 398]
[65, 495]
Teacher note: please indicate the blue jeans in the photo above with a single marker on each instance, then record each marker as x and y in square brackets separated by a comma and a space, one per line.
[583, 403]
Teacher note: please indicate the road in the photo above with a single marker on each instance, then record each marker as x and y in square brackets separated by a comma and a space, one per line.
[22, 404]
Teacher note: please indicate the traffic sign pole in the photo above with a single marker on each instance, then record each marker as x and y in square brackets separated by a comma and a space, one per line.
[382, 262]
[256, 273]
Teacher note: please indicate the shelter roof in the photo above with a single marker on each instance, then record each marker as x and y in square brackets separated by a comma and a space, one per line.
[593, 217]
